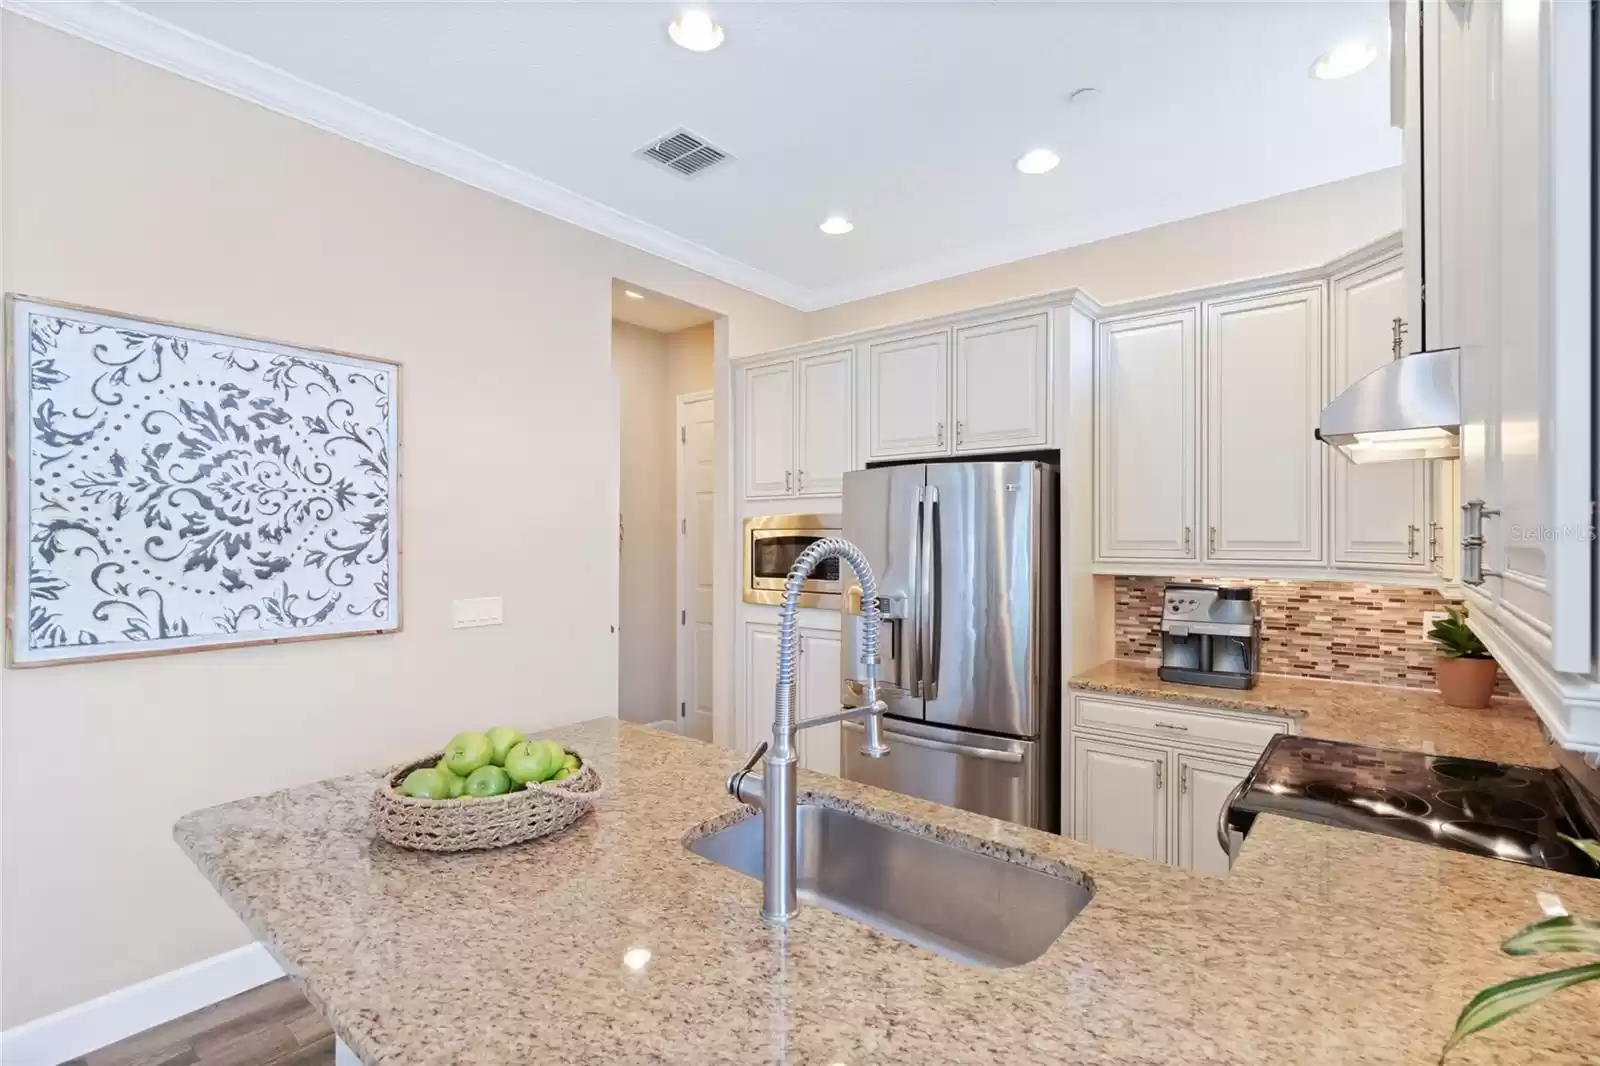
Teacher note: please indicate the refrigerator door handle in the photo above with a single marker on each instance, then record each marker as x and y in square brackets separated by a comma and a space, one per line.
[928, 637]
[965, 750]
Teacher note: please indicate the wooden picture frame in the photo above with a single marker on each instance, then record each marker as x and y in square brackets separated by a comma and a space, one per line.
[173, 489]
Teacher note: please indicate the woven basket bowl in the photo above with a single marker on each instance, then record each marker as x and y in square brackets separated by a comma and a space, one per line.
[472, 823]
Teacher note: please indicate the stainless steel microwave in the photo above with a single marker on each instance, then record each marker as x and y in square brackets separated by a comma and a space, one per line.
[771, 545]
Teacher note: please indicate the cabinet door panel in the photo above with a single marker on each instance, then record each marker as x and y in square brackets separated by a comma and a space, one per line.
[819, 695]
[908, 401]
[1203, 787]
[760, 682]
[825, 421]
[1263, 372]
[769, 430]
[1146, 406]
[1120, 798]
[1379, 509]
[1002, 384]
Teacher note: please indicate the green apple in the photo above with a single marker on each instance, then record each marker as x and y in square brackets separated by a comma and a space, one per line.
[562, 774]
[457, 783]
[503, 738]
[488, 781]
[425, 783]
[533, 760]
[572, 762]
[468, 751]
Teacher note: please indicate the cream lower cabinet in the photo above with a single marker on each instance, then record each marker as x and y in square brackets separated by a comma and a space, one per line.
[1150, 778]
[816, 691]
[1204, 782]
[1119, 797]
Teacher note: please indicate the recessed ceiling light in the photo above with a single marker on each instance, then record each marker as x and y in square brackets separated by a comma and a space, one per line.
[836, 225]
[1038, 161]
[636, 958]
[695, 30]
[630, 294]
[1344, 60]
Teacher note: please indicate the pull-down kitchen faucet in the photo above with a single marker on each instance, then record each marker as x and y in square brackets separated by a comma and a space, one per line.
[773, 793]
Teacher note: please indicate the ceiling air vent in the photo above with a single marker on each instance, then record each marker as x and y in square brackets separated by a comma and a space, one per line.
[683, 153]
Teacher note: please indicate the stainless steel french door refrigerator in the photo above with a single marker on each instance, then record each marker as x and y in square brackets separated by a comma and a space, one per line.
[966, 560]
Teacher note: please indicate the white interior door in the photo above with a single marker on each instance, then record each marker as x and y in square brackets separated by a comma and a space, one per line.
[696, 429]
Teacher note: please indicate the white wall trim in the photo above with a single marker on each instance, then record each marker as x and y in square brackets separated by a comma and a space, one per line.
[118, 1015]
[133, 33]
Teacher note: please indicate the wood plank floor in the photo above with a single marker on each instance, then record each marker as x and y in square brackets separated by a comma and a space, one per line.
[268, 1026]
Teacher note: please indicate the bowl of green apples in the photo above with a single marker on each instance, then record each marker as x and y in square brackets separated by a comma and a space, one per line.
[484, 790]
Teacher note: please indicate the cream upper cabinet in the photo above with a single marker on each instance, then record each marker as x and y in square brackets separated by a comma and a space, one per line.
[1120, 798]
[825, 421]
[1263, 392]
[1203, 787]
[768, 412]
[1444, 520]
[819, 695]
[1147, 405]
[1002, 384]
[1380, 510]
[908, 396]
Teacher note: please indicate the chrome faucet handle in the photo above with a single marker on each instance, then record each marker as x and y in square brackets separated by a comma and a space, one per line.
[874, 748]
[736, 779]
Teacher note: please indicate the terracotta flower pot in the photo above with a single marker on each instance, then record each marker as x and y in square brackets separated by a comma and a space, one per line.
[1465, 682]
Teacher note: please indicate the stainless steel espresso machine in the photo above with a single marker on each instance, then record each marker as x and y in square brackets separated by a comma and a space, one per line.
[1210, 635]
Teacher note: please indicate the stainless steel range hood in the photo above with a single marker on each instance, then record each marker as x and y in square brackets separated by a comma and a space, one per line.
[1409, 408]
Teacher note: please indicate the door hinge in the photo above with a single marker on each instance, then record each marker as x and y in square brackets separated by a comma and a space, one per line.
[683, 618]
[683, 710]
[683, 525]
[683, 434]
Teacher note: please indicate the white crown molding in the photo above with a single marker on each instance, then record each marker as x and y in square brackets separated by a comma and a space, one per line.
[134, 33]
[90, 1026]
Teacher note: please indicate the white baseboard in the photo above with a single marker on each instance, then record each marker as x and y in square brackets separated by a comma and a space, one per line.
[118, 1015]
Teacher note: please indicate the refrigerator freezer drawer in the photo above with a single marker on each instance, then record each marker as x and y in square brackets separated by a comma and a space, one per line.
[1001, 777]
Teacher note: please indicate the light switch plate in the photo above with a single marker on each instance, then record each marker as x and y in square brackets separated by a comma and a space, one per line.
[478, 611]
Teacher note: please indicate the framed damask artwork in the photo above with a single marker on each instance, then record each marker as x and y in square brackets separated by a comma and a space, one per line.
[171, 489]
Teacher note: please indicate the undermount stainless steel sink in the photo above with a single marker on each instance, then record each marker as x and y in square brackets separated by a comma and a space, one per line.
[965, 905]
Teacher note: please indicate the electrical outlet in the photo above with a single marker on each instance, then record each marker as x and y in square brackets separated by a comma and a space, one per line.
[479, 611]
[1430, 617]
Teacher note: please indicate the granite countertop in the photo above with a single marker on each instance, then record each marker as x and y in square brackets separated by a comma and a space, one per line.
[1410, 719]
[1323, 947]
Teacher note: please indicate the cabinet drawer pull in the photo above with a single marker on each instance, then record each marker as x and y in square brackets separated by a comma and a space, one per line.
[1411, 539]
[1183, 780]
[959, 427]
[788, 481]
[1161, 776]
[1173, 726]
[800, 480]
[1211, 540]
[1188, 537]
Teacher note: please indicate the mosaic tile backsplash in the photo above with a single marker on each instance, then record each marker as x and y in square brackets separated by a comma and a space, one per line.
[1340, 630]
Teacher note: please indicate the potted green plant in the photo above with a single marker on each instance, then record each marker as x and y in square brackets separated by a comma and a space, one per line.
[1463, 668]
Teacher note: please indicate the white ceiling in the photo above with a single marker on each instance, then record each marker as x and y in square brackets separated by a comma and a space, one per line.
[652, 310]
[904, 116]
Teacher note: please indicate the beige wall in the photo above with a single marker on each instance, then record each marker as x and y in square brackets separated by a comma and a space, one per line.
[1299, 229]
[648, 673]
[128, 188]
[689, 354]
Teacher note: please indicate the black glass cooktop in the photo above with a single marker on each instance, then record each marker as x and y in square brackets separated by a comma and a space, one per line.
[1498, 810]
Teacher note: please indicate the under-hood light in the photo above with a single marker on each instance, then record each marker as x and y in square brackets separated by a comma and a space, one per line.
[1408, 408]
